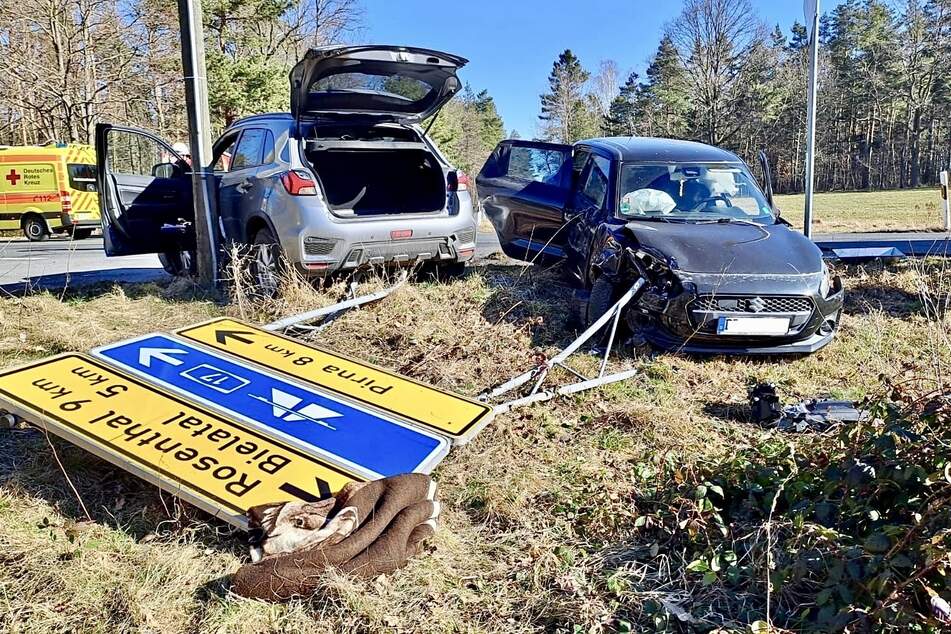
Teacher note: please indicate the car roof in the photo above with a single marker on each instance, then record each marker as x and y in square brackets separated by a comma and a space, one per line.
[637, 148]
[262, 118]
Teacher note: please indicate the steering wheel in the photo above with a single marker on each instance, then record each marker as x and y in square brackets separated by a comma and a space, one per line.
[723, 197]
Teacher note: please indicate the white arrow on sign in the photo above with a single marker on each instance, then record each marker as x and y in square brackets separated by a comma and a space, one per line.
[147, 355]
[284, 407]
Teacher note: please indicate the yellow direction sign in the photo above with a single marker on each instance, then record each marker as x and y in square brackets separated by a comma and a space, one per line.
[455, 416]
[221, 466]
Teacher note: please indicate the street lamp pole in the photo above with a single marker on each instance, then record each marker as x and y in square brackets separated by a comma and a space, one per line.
[811, 8]
[199, 139]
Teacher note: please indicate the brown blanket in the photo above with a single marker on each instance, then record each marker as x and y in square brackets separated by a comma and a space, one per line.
[394, 515]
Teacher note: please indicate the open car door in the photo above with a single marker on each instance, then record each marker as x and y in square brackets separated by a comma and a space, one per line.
[524, 188]
[145, 193]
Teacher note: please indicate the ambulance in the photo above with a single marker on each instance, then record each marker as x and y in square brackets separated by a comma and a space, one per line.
[49, 189]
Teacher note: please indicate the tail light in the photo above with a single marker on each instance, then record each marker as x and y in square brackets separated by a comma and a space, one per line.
[66, 200]
[458, 181]
[299, 183]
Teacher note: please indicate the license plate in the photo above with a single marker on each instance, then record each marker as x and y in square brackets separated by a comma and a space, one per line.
[753, 326]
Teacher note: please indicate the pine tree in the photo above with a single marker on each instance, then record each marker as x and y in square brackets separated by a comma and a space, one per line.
[622, 117]
[566, 110]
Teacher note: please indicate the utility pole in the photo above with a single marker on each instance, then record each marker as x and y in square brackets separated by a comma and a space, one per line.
[199, 139]
[811, 9]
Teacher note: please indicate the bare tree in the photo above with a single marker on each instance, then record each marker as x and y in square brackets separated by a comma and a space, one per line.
[606, 84]
[717, 41]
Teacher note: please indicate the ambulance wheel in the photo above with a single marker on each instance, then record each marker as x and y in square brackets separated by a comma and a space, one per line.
[80, 234]
[35, 229]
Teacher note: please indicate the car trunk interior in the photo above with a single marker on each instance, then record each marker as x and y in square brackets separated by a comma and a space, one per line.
[377, 171]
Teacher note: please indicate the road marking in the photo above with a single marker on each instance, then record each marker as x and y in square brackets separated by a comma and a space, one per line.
[458, 417]
[219, 465]
[355, 437]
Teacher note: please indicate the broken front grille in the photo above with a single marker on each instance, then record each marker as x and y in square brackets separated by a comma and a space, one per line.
[752, 305]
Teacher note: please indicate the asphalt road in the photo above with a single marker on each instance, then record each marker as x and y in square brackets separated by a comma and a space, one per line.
[59, 262]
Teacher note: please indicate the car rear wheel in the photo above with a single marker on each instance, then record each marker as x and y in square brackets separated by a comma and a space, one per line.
[35, 229]
[266, 265]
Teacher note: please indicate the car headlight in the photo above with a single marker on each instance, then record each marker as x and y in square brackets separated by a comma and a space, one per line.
[826, 284]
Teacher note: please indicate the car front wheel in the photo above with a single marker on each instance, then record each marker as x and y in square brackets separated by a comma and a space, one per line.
[603, 297]
[179, 263]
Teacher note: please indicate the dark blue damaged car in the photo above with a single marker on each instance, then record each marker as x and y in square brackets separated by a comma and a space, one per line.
[725, 274]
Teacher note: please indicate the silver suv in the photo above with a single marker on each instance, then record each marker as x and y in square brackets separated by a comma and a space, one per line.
[347, 179]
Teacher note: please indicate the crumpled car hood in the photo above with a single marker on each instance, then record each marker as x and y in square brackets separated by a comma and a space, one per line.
[730, 249]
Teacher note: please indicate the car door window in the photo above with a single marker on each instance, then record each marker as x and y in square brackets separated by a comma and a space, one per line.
[578, 163]
[596, 181]
[268, 150]
[224, 155]
[538, 165]
[249, 151]
[136, 155]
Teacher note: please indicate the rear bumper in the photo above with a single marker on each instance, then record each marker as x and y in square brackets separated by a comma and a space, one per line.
[325, 245]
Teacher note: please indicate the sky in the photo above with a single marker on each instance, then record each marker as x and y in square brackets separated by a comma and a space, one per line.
[512, 44]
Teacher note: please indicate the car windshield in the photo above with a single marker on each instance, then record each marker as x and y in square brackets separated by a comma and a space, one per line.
[692, 192]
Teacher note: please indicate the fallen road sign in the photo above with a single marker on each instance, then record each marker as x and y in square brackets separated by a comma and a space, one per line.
[354, 437]
[219, 466]
[455, 416]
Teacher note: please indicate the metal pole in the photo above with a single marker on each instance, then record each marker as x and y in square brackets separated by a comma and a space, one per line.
[811, 117]
[944, 199]
[303, 318]
[199, 139]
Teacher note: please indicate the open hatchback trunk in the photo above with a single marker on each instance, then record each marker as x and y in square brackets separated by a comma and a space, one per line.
[356, 106]
[359, 179]
[392, 82]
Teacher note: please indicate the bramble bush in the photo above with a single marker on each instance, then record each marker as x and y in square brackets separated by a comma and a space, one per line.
[852, 529]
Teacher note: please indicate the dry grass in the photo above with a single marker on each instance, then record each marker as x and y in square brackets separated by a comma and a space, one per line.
[539, 508]
[893, 210]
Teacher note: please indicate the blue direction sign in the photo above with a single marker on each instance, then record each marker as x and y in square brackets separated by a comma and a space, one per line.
[313, 421]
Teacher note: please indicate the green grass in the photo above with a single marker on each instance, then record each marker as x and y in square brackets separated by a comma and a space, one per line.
[893, 210]
[540, 509]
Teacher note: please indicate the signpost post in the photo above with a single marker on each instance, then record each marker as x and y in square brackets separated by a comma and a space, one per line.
[199, 138]
[811, 9]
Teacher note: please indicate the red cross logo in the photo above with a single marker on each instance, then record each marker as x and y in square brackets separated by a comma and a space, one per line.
[13, 177]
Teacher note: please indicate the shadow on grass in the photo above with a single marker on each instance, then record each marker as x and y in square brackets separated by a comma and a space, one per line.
[540, 300]
[736, 412]
[112, 497]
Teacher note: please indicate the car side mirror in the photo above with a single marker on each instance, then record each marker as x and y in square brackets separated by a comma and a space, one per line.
[166, 170]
